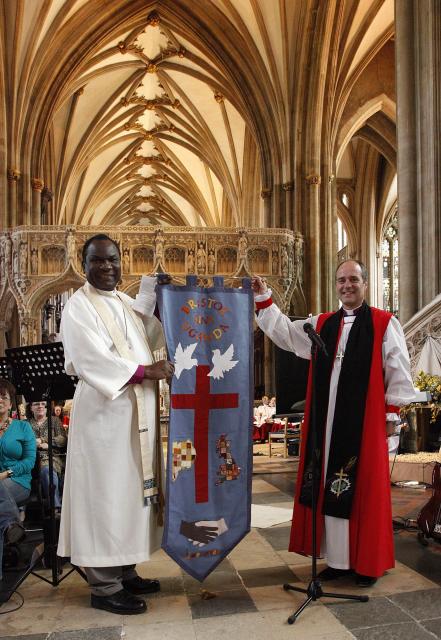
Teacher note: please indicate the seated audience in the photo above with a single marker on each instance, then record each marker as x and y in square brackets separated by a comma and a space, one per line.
[264, 412]
[62, 414]
[17, 458]
[39, 424]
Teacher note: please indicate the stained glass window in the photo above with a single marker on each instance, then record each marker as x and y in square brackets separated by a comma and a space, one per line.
[390, 261]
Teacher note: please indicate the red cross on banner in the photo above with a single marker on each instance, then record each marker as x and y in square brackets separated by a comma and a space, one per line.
[202, 401]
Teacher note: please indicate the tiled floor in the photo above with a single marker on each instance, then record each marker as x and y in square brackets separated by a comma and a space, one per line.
[244, 597]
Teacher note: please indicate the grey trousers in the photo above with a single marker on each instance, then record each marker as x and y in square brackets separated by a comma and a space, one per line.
[105, 581]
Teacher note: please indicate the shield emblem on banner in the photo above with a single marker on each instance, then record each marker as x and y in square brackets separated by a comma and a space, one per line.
[209, 336]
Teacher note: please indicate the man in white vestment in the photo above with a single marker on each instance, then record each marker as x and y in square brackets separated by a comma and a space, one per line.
[264, 412]
[113, 468]
[357, 539]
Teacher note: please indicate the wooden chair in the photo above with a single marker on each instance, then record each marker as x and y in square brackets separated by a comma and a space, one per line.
[285, 436]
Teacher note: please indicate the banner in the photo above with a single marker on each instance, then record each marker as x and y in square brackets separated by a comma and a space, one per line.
[209, 335]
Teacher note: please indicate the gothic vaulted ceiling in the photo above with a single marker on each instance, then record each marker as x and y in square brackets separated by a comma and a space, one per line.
[177, 112]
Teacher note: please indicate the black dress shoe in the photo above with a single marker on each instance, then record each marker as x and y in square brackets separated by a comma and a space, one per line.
[333, 574]
[14, 533]
[364, 581]
[139, 585]
[120, 602]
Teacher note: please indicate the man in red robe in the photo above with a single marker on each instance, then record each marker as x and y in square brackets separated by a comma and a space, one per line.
[360, 386]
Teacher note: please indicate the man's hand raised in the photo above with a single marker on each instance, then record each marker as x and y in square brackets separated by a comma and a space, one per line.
[258, 285]
[159, 370]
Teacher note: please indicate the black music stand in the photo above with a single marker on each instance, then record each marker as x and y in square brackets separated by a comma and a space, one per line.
[314, 590]
[7, 373]
[39, 371]
[5, 369]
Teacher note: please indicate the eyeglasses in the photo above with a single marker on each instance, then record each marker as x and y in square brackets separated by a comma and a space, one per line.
[4, 397]
[38, 404]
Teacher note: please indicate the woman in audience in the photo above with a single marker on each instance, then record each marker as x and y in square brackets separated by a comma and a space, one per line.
[58, 412]
[17, 457]
[39, 424]
[272, 404]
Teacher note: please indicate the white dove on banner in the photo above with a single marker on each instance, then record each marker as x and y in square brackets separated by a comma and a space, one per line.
[222, 362]
[183, 359]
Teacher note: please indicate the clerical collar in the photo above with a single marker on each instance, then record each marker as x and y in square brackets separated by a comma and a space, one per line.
[102, 292]
[109, 294]
[352, 312]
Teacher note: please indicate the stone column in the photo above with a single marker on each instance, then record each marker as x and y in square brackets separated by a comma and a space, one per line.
[288, 189]
[37, 187]
[331, 260]
[14, 176]
[418, 74]
[266, 197]
[313, 242]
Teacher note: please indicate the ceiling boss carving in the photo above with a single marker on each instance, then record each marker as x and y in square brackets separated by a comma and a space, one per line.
[14, 175]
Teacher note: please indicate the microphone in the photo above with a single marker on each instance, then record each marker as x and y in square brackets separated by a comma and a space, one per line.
[314, 337]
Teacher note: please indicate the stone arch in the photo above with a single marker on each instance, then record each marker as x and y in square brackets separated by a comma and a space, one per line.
[297, 304]
[8, 299]
[131, 288]
[70, 278]
[143, 258]
[278, 297]
[226, 258]
[8, 309]
[382, 102]
[259, 259]
[386, 207]
[174, 258]
[349, 226]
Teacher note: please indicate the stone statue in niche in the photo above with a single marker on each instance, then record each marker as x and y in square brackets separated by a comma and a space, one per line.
[284, 261]
[243, 245]
[211, 262]
[23, 334]
[70, 246]
[159, 245]
[190, 261]
[23, 258]
[290, 260]
[34, 261]
[126, 261]
[275, 259]
[201, 258]
[46, 198]
[15, 264]
[8, 251]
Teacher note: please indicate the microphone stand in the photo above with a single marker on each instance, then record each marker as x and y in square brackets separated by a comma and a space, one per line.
[314, 590]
